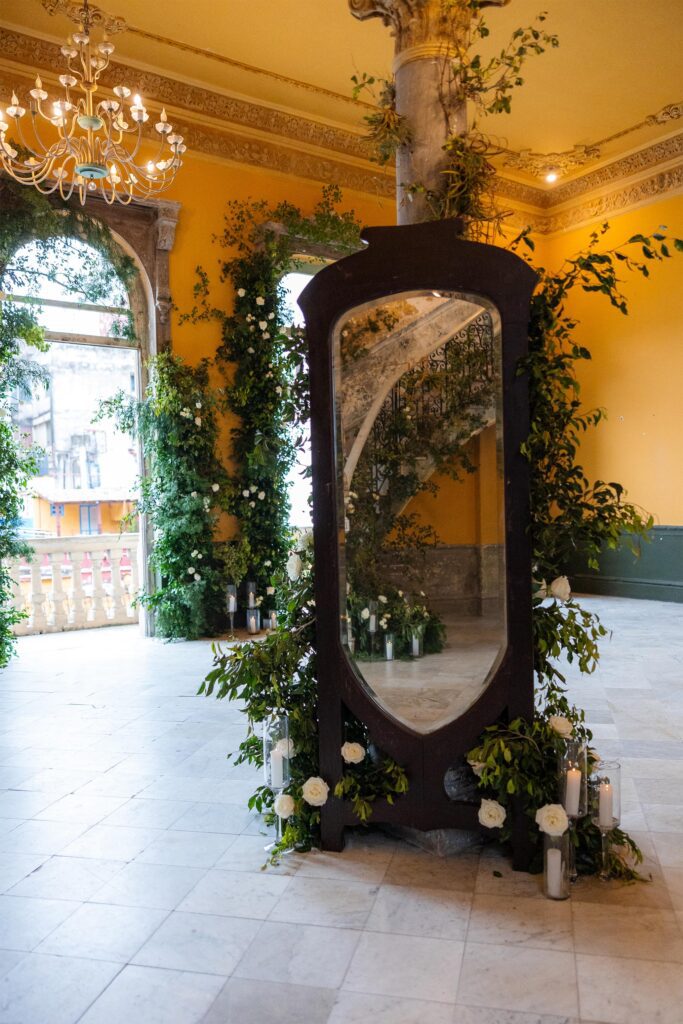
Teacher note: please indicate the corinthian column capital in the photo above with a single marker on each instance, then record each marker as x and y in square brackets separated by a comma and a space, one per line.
[420, 24]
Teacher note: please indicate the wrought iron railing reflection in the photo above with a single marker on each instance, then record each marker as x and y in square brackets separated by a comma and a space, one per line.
[76, 583]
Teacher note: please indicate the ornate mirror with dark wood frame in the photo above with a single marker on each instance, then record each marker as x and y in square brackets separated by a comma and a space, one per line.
[420, 509]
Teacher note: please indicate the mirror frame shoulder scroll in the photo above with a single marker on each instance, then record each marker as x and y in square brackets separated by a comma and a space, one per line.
[429, 257]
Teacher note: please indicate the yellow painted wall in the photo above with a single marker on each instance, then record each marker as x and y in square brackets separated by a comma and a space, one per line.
[637, 368]
[111, 513]
[465, 511]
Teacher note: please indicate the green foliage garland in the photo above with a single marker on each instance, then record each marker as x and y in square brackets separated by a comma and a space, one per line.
[180, 493]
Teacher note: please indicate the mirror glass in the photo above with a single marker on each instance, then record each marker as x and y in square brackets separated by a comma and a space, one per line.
[419, 444]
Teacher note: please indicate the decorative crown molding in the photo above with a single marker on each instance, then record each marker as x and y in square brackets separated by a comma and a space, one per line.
[86, 14]
[541, 164]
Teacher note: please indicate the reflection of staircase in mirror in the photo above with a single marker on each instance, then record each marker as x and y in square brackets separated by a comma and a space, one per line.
[422, 325]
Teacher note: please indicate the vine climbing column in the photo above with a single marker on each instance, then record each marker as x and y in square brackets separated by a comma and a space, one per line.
[427, 87]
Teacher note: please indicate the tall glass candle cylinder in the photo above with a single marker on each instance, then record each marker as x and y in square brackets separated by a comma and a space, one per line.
[231, 607]
[573, 779]
[389, 646]
[372, 618]
[251, 595]
[277, 751]
[605, 798]
[416, 643]
[556, 866]
[272, 619]
[253, 620]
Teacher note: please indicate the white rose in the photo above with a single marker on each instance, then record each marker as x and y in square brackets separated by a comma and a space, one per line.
[491, 814]
[199, 554]
[294, 566]
[261, 495]
[400, 593]
[278, 390]
[271, 316]
[314, 791]
[285, 747]
[198, 420]
[262, 324]
[270, 591]
[562, 726]
[283, 805]
[382, 599]
[552, 819]
[252, 504]
[215, 487]
[197, 405]
[560, 589]
[193, 494]
[197, 577]
[241, 292]
[353, 753]
[268, 562]
[245, 493]
[190, 569]
[253, 488]
[477, 767]
[260, 301]
[251, 351]
[365, 614]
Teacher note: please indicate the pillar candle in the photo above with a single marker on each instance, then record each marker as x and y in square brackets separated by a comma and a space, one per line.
[276, 773]
[553, 867]
[389, 650]
[252, 624]
[372, 624]
[232, 604]
[251, 596]
[416, 646]
[273, 620]
[605, 815]
[572, 792]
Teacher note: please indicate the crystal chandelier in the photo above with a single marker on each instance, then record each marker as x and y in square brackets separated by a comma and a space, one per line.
[98, 140]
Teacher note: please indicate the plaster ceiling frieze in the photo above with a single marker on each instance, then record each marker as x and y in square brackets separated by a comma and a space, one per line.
[642, 160]
[540, 164]
[39, 53]
[419, 23]
[640, 193]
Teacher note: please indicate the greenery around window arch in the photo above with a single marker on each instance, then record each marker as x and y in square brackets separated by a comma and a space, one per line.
[27, 216]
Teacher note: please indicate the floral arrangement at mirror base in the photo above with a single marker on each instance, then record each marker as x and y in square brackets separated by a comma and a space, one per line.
[517, 762]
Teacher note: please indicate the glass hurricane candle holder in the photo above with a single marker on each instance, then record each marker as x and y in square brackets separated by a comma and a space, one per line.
[251, 595]
[605, 804]
[231, 606]
[277, 751]
[573, 771]
[388, 646]
[556, 866]
[253, 620]
[271, 619]
[372, 626]
[416, 642]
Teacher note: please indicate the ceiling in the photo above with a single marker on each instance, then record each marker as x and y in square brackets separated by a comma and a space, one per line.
[618, 60]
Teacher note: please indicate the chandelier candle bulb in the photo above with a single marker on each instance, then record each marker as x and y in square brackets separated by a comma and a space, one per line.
[572, 792]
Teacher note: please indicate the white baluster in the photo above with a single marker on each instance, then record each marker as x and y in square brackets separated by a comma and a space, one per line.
[22, 627]
[80, 617]
[120, 612]
[60, 617]
[98, 591]
[134, 581]
[38, 619]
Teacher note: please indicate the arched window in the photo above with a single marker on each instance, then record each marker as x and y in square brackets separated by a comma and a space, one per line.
[87, 471]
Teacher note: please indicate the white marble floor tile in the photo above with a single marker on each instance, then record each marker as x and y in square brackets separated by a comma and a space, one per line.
[139, 812]
[665, 817]
[212, 817]
[98, 931]
[627, 931]
[431, 912]
[188, 849]
[158, 886]
[112, 842]
[622, 991]
[357, 864]
[46, 837]
[67, 878]
[521, 921]
[420, 868]
[45, 989]
[255, 1002]
[86, 810]
[668, 847]
[487, 1015]
[515, 978]
[22, 803]
[204, 943]
[412, 967]
[246, 853]
[299, 955]
[333, 902]
[26, 922]
[361, 1008]
[673, 879]
[16, 866]
[152, 996]
[235, 894]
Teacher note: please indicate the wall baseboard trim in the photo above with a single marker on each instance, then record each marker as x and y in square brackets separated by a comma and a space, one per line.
[657, 575]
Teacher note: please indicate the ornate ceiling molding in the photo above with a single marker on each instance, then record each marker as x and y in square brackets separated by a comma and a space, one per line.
[243, 132]
[541, 164]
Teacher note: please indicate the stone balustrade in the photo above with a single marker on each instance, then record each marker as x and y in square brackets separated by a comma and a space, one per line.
[76, 583]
